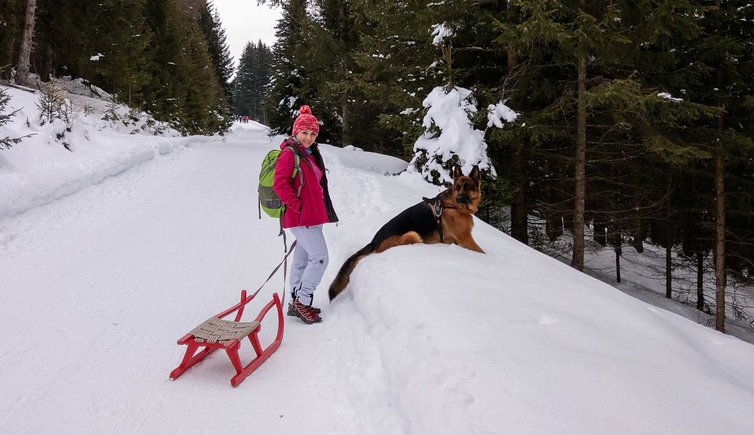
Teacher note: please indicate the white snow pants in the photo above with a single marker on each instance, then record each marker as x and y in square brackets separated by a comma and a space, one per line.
[309, 262]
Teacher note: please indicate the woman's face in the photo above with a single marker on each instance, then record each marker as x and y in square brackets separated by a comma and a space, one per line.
[306, 137]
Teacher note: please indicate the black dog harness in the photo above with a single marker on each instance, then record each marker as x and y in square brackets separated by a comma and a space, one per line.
[436, 204]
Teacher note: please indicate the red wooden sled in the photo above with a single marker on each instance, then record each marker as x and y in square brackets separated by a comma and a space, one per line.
[216, 333]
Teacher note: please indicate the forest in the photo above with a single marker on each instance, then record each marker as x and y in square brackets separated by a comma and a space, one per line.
[169, 58]
[635, 118]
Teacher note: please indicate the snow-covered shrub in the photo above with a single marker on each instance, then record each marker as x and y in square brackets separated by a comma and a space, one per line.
[449, 136]
[50, 103]
[56, 109]
[5, 141]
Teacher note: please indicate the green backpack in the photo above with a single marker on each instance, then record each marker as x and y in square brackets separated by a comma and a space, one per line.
[268, 199]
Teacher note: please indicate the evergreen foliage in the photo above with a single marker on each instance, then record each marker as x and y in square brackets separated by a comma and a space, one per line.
[11, 21]
[250, 84]
[217, 44]
[6, 142]
[398, 67]
[168, 57]
[288, 88]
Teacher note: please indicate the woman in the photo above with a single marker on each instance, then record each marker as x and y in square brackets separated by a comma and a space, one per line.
[307, 208]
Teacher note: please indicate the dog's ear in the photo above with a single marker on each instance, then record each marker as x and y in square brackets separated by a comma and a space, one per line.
[457, 172]
[475, 174]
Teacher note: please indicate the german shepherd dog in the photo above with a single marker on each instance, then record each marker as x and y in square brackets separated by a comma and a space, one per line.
[447, 218]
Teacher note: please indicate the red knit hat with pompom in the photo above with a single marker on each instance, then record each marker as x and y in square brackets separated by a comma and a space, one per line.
[305, 121]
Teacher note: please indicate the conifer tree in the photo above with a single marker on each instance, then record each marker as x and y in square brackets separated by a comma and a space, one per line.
[217, 44]
[251, 81]
[118, 49]
[244, 84]
[11, 20]
[66, 56]
[397, 68]
[289, 87]
[184, 89]
[725, 54]
[569, 75]
[337, 38]
[6, 142]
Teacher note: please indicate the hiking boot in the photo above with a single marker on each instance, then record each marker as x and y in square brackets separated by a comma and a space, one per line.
[303, 312]
[293, 298]
[314, 309]
[292, 313]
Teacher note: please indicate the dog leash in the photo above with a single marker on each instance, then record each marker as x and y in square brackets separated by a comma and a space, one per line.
[274, 271]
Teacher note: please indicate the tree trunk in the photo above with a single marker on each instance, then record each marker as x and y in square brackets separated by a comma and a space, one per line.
[553, 225]
[519, 213]
[577, 260]
[720, 230]
[720, 236]
[46, 72]
[24, 55]
[669, 271]
[519, 218]
[700, 281]
[617, 263]
[345, 116]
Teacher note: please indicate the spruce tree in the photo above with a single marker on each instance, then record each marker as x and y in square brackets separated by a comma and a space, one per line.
[118, 49]
[336, 40]
[217, 44]
[251, 81]
[397, 68]
[184, 89]
[289, 87]
[244, 84]
[6, 142]
[725, 53]
[11, 20]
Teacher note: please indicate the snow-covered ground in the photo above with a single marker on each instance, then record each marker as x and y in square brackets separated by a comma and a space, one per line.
[100, 279]
[643, 276]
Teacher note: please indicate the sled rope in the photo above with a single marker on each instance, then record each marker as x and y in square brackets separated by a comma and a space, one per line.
[215, 330]
[274, 271]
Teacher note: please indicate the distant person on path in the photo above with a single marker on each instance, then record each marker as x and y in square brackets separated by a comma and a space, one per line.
[307, 208]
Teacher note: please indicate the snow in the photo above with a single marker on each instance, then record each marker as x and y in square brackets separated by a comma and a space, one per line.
[40, 170]
[440, 32]
[499, 112]
[450, 112]
[669, 97]
[130, 241]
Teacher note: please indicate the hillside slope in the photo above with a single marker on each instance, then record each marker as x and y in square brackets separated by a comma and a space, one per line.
[98, 285]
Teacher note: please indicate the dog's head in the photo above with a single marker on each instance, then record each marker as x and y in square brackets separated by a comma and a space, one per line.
[466, 191]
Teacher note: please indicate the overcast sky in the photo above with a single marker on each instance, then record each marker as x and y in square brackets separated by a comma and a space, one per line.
[244, 22]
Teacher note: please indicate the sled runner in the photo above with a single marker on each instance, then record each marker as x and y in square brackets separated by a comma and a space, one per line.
[217, 333]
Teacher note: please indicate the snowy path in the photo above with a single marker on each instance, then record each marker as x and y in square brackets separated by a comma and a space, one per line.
[129, 266]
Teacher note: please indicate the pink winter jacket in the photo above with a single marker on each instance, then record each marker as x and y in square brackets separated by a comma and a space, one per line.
[310, 208]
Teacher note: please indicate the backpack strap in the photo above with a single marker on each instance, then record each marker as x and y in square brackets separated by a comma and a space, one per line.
[297, 157]
[296, 169]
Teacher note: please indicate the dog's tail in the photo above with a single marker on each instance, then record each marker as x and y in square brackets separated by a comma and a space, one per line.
[344, 274]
